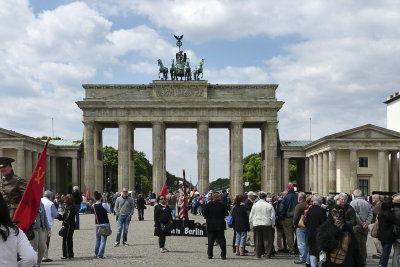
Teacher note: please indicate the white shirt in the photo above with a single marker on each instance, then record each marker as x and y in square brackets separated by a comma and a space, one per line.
[51, 211]
[262, 213]
[16, 245]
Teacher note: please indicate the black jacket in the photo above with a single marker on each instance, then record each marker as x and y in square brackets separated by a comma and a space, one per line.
[240, 218]
[315, 217]
[140, 202]
[350, 215]
[68, 217]
[215, 213]
[386, 223]
[162, 215]
[76, 195]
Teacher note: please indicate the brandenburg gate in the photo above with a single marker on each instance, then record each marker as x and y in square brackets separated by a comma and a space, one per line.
[166, 104]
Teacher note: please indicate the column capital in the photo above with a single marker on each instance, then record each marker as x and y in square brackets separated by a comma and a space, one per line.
[203, 122]
[236, 122]
[124, 123]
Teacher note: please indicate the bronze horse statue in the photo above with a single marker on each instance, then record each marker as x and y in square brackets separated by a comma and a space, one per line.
[198, 70]
[163, 70]
[187, 70]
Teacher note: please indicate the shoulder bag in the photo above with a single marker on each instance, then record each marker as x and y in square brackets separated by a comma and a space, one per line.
[375, 229]
[103, 230]
[301, 222]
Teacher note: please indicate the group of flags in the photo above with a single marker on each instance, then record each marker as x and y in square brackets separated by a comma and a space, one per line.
[182, 206]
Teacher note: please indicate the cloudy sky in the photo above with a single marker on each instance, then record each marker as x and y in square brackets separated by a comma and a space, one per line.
[334, 61]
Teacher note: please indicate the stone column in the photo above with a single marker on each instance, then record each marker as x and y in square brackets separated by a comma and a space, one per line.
[332, 171]
[35, 158]
[203, 157]
[98, 157]
[1, 152]
[89, 156]
[325, 173]
[158, 156]
[53, 176]
[286, 171]
[48, 174]
[320, 174]
[315, 189]
[269, 182]
[123, 155]
[28, 164]
[236, 137]
[381, 171]
[353, 171]
[20, 171]
[311, 175]
[394, 171]
[306, 174]
[131, 159]
[74, 171]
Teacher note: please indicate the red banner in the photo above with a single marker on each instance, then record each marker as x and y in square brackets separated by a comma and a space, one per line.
[28, 208]
[164, 190]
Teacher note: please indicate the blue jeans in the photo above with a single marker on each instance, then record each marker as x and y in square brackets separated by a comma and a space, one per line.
[301, 234]
[314, 260]
[77, 209]
[173, 211]
[100, 242]
[240, 239]
[387, 248]
[123, 221]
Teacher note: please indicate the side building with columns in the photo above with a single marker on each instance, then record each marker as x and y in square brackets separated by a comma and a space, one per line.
[26, 151]
[357, 158]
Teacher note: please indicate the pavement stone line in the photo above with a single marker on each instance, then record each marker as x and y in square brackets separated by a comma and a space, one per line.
[143, 247]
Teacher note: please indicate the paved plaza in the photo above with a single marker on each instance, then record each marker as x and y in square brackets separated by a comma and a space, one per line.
[143, 248]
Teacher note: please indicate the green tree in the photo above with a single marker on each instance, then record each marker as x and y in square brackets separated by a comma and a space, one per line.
[252, 171]
[292, 170]
[143, 173]
[219, 184]
[45, 138]
[110, 167]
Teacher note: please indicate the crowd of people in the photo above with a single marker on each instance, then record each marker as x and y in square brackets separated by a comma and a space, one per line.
[319, 230]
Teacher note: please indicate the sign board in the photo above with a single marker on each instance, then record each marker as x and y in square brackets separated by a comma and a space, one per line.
[188, 228]
[246, 183]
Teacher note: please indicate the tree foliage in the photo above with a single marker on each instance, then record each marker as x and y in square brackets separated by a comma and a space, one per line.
[252, 171]
[45, 138]
[219, 184]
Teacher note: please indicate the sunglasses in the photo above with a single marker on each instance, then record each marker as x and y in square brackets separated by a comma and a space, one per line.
[162, 198]
[125, 191]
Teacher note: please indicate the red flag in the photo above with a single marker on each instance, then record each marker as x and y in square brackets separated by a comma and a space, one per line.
[88, 194]
[164, 189]
[182, 209]
[29, 206]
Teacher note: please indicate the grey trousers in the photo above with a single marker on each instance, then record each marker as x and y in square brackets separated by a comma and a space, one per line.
[378, 244]
[39, 243]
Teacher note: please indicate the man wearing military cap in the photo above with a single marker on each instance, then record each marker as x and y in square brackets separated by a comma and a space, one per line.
[11, 186]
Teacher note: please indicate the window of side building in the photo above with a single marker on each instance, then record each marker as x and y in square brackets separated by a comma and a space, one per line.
[363, 162]
[363, 186]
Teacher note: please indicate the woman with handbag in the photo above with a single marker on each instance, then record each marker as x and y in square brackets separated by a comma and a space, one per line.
[100, 211]
[68, 228]
[162, 222]
[241, 224]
